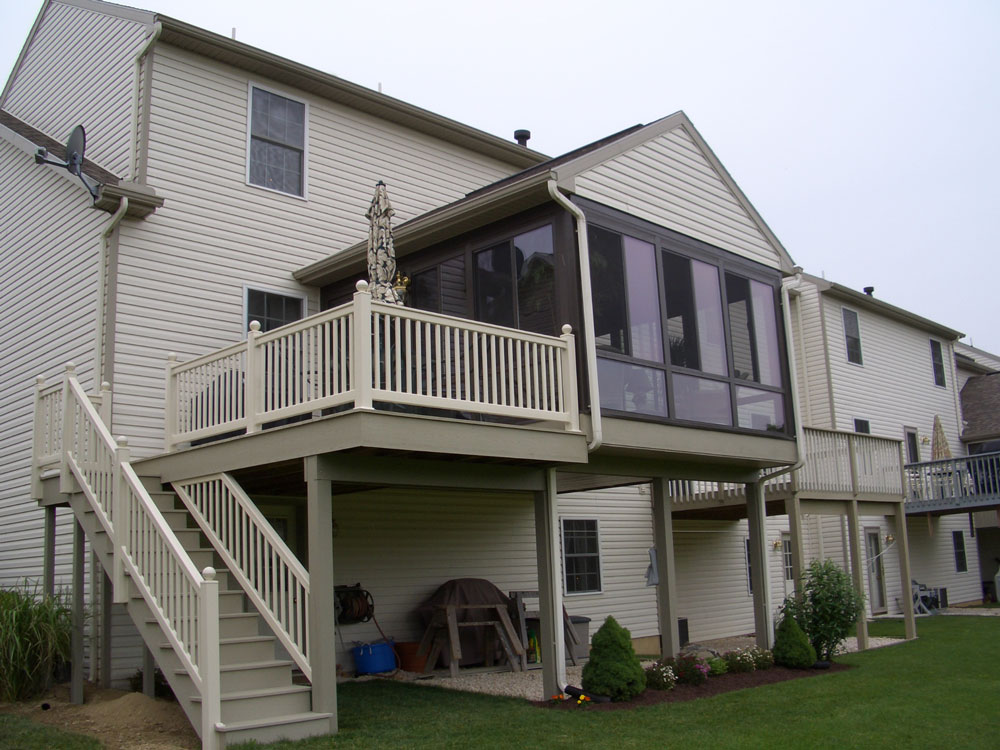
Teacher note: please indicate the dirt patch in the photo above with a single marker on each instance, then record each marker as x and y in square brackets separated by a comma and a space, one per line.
[120, 720]
[715, 686]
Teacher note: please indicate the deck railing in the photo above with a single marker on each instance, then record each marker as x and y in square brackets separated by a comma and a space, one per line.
[184, 601]
[849, 462]
[365, 352]
[955, 484]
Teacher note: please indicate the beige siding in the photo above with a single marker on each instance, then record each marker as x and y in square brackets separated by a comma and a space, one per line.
[48, 261]
[894, 387]
[670, 182]
[183, 270]
[932, 557]
[808, 349]
[79, 71]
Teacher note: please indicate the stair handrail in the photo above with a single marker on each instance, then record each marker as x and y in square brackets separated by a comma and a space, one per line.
[184, 601]
[264, 566]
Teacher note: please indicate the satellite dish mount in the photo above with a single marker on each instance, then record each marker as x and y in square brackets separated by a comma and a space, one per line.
[75, 147]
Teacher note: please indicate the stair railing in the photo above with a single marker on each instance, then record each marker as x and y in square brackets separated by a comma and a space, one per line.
[268, 571]
[184, 601]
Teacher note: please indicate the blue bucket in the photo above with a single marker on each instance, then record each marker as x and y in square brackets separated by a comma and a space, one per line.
[370, 658]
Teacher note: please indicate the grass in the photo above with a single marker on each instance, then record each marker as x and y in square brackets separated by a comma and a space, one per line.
[937, 691]
[18, 733]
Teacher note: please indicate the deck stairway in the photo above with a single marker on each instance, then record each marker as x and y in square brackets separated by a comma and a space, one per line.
[187, 565]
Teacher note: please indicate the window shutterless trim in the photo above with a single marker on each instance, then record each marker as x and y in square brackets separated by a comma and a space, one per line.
[279, 292]
[937, 363]
[844, 312]
[251, 85]
[600, 562]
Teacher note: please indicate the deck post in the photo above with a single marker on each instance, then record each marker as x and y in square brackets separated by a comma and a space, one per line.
[666, 588]
[550, 588]
[361, 362]
[107, 595]
[148, 672]
[321, 615]
[49, 552]
[793, 507]
[76, 640]
[905, 580]
[757, 524]
[253, 400]
[857, 568]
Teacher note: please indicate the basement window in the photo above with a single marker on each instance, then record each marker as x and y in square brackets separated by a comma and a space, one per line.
[581, 556]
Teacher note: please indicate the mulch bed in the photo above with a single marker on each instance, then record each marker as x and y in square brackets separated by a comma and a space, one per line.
[715, 686]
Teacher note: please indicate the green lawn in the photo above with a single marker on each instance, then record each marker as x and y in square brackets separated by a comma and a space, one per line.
[17, 733]
[938, 691]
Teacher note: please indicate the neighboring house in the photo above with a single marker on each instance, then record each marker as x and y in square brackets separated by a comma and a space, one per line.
[469, 434]
[866, 366]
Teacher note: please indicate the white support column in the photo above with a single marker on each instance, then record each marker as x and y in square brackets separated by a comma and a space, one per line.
[49, 552]
[76, 641]
[322, 618]
[550, 588]
[361, 362]
[793, 507]
[253, 394]
[905, 577]
[666, 589]
[756, 521]
[857, 568]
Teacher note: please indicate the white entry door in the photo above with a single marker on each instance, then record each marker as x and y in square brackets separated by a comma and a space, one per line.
[876, 574]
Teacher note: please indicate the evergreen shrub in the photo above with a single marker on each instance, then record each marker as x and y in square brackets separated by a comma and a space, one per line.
[791, 646]
[827, 608]
[614, 669]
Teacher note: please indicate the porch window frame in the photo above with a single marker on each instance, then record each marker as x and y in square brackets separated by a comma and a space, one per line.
[726, 263]
[565, 570]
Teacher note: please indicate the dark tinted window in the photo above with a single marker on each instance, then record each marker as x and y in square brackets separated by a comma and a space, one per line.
[607, 274]
[581, 556]
[937, 360]
[272, 310]
[852, 334]
[425, 290]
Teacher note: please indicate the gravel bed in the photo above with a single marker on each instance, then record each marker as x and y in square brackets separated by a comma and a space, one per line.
[528, 685]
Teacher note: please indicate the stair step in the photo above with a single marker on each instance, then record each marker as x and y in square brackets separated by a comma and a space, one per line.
[233, 624]
[290, 727]
[252, 675]
[246, 649]
[176, 519]
[250, 705]
[164, 500]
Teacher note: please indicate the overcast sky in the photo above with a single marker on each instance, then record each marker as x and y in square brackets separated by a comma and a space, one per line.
[865, 133]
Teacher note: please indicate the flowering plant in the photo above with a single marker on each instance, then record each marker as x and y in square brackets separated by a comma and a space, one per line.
[740, 660]
[689, 669]
[660, 676]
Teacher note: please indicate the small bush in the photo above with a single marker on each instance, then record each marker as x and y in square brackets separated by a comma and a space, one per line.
[791, 647]
[35, 633]
[740, 660]
[614, 669]
[660, 676]
[762, 658]
[690, 670]
[717, 666]
[827, 608]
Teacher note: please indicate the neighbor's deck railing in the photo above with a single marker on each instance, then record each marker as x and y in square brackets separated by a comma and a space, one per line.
[954, 483]
[841, 463]
[365, 352]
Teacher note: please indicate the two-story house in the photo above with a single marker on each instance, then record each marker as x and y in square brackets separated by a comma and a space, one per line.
[608, 318]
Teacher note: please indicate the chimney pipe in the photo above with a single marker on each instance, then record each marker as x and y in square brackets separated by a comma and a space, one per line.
[870, 290]
[522, 136]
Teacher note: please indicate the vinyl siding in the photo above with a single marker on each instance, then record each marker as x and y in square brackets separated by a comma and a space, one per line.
[932, 557]
[808, 349]
[48, 263]
[670, 182]
[894, 387]
[79, 71]
[183, 269]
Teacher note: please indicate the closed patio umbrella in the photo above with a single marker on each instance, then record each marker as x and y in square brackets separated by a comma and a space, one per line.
[381, 253]
[939, 443]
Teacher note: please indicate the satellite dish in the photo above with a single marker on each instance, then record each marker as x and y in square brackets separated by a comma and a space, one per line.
[76, 145]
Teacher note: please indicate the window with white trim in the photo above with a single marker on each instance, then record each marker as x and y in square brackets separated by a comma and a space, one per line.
[271, 309]
[581, 555]
[746, 550]
[937, 362]
[958, 542]
[786, 557]
[277, 142]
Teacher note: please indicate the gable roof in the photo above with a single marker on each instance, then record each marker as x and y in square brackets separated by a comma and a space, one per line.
[526, 189]
[868, 302]
[39, 139]
[981, 408]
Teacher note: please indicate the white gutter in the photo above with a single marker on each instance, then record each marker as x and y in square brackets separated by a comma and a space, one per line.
[133, 156]
[587, 300]
[102, 270]
[794, 375]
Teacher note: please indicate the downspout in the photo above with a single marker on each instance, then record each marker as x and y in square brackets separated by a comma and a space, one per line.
[587, 302]
[794, 375]
[102, 271]
[133, 156]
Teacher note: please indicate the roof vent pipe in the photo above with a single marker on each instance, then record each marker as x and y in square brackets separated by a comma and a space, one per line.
[522, 137]
[870, 290]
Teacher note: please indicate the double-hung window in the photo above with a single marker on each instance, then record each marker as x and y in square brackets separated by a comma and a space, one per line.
[272, 309]
[958, 542]
[581, 556]
[277, 142]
